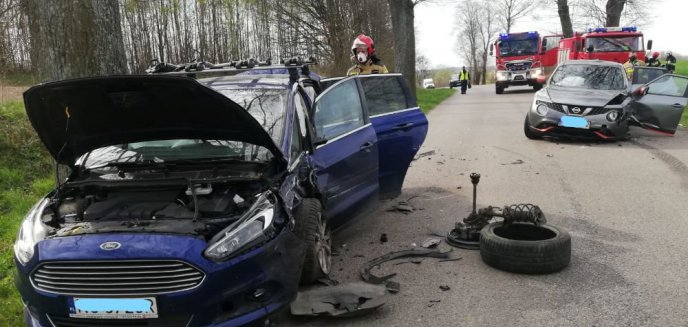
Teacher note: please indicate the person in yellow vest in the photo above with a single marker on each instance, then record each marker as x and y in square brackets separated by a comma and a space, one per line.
[631, 63]
[363, 51]
[464, 79]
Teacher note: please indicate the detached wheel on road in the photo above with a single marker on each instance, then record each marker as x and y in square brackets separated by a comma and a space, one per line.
[525, 248]
[313, 229]
[499, 89]
[528, 132]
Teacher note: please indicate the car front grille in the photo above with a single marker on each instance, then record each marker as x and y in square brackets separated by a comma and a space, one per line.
[157, 322]
[584, 110]
[115, 278]
[518, 66]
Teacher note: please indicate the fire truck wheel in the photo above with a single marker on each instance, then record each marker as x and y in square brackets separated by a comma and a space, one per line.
[525, 248]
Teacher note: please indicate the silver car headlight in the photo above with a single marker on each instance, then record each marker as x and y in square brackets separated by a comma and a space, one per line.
[31, 231]
[501, 75]
[536, 72]
[254, 227]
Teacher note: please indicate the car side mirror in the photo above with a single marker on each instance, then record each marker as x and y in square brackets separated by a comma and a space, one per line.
[649, 44]
[544, 46]
[491, 49]
[319, 141]
[640, 92]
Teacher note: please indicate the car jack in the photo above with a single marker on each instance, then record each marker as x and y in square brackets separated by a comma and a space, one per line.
[466, 234]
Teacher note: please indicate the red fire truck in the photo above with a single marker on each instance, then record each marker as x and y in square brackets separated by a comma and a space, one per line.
[524, 59]
[604, 43]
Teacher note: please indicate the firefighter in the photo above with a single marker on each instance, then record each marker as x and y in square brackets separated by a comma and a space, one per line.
[654, 61]
[464, 79]
[670, 62]
[631, 63]
[363, 51]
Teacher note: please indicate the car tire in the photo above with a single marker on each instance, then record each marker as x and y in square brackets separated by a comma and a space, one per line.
[528, 132]
[312, 227]
[499, 89]
[537, 87]
[525, 248]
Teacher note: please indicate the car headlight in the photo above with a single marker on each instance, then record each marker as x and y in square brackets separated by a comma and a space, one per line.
[254, 227]
[502, 75]
[535, 72]
[612, 115]
[542, 109]
[31, 231]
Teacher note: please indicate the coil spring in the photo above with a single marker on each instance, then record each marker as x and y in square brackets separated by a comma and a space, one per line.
[525, 212]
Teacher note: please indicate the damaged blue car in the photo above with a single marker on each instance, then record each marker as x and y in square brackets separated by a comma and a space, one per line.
[203, 201]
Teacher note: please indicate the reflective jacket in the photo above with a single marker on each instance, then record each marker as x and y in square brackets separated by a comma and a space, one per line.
[464, 75]
[629, 66]
[362, 69]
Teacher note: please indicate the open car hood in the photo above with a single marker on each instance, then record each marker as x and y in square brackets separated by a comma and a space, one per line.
[582, 97]
[75, 116]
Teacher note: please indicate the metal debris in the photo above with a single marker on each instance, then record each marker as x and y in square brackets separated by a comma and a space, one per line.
[424, 154]
[445, 287]
[517, 162]
[431, 242]
[402, 206]
[383, 238]
[347, 300]
[370, 278]
[451, 259]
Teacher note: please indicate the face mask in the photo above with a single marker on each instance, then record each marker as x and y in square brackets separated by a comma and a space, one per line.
[361, 57]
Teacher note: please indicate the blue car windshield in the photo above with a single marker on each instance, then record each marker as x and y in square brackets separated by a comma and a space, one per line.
[596, 77]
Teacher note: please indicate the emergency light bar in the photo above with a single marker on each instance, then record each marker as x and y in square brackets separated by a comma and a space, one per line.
[518, 36]
[613, 29]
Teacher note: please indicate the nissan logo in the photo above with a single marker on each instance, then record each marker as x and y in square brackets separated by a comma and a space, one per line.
[109, 246]
[576, 110]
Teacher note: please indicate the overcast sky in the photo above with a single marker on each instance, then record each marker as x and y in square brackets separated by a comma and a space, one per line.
[436, 28]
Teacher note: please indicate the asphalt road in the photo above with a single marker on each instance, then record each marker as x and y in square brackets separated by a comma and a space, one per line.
[623, 203]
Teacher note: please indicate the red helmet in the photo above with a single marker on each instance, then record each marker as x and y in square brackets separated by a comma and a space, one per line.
[363, 41]
[655, 54]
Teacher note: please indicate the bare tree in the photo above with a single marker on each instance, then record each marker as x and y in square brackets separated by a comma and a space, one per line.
[488, 30]
[565, 18]
[509, 11]
[75, 38]
[404, 38]
[422, 67]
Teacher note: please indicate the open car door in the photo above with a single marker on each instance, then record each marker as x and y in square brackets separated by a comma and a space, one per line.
[399, 123]
[346, 153]
[659, 104]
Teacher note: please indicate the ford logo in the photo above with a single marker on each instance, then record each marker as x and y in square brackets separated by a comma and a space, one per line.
[576, 110]
[109, 246]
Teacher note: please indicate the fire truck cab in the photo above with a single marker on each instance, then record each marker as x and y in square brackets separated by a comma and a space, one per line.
[604, 43]
[523, 59]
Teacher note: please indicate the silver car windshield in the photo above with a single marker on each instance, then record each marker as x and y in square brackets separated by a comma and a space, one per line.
[598, 77]
[267, 106]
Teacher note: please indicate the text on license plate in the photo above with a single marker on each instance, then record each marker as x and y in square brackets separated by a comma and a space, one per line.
[576, 122]
[129, 308]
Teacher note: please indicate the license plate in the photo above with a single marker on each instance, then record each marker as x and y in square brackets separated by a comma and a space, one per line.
[129, 308]
[575, 122]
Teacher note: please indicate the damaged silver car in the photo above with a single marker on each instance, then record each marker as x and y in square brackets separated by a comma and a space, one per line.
[590, 99]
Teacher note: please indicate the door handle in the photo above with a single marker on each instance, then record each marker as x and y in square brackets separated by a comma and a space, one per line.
[366, 146]
[677, 105]
[403, 126]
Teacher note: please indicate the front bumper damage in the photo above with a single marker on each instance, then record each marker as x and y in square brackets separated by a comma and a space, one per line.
[599, 127]
[241, 291]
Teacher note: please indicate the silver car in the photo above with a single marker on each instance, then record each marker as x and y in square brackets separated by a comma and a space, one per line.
[590, 99]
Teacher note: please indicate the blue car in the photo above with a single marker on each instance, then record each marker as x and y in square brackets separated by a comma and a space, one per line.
[203, 202]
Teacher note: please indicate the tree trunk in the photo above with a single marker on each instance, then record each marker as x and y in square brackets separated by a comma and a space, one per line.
[404, 39]
[614, 9]
[565, 18]
[75, 38]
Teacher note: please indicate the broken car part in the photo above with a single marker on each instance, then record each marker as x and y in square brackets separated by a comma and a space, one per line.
[370, 278]
[347, 300]
[466, 234]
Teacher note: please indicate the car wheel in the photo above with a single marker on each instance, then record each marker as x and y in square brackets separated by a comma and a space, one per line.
[528, 132]
[313, 229]
[525, 248]
[537, 87]
[499, 89]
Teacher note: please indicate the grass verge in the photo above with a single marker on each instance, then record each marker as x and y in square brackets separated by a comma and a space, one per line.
[682, 68]
[429, 98]
[25, 176]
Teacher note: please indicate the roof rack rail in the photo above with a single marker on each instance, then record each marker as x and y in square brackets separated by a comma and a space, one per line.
[193, 69]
